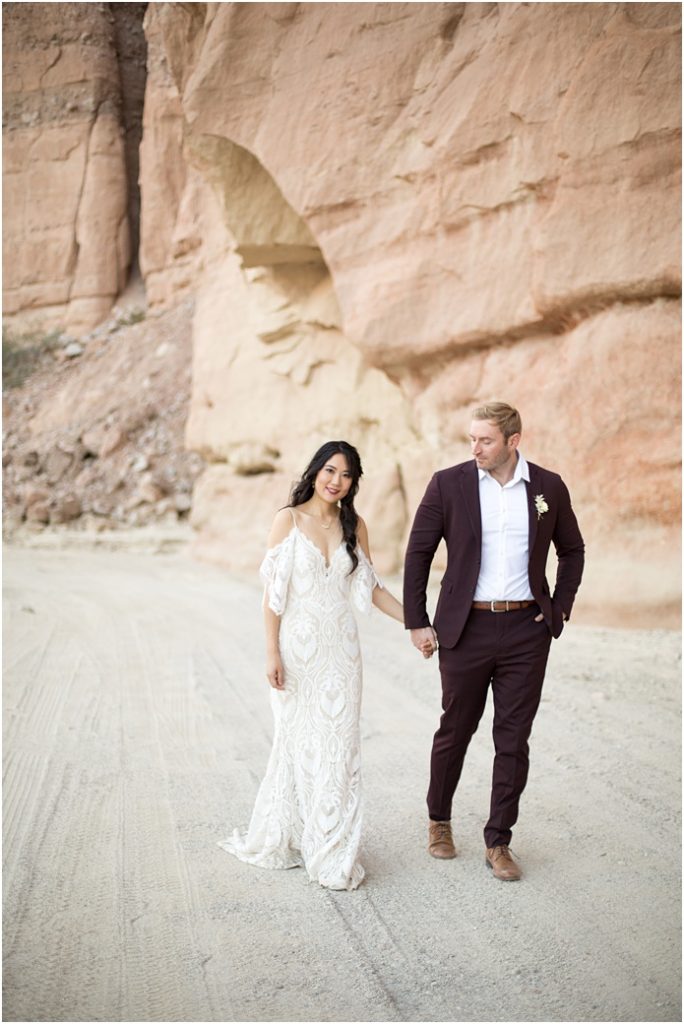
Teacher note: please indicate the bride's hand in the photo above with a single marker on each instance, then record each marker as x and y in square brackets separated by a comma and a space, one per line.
[275, 672]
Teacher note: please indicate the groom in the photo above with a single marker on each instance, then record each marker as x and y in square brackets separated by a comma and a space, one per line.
[495, 616]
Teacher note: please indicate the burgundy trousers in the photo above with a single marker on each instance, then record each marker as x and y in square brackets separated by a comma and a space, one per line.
[508, 650]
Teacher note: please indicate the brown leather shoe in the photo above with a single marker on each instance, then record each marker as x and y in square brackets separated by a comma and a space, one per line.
[501, 862]
[440, 840]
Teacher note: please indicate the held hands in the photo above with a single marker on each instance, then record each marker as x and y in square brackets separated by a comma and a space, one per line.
[275, 672]
[424, 640]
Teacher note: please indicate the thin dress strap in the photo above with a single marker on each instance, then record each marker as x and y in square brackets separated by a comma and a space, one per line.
[294, 518]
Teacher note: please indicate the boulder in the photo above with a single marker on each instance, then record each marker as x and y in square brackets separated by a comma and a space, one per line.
[66, 509]
[113, 439]
[38, 512]
[32, 495]
[149, 493]
[28, 456]
[55, 464]
[102, 506]
[103, 440]
[182, 503]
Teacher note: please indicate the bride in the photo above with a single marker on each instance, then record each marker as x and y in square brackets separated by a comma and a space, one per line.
[317, 567]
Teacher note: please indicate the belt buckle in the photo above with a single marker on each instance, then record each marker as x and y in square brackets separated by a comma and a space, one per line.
[498, 610]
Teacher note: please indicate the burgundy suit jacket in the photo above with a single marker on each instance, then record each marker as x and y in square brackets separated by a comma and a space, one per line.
[451, 510]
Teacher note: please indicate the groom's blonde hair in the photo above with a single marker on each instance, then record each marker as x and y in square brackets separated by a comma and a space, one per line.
[505, 416]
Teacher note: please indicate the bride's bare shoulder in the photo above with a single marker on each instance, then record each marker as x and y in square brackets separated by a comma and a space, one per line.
[282, 524]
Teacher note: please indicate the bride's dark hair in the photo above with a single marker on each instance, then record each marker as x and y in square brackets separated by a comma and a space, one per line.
[304, 489]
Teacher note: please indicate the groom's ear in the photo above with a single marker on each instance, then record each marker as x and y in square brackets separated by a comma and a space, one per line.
[514, 440]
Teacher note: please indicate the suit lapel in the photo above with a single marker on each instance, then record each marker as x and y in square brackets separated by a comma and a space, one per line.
[470, 485]
[533, 519]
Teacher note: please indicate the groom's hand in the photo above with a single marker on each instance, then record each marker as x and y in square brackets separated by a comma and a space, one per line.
[424, 640]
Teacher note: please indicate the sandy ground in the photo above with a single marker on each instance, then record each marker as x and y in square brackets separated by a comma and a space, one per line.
[137, 726]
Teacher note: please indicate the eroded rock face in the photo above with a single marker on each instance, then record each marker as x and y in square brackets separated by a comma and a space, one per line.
[66, 227]
[418, 207]
[388, 213]
[172, 229]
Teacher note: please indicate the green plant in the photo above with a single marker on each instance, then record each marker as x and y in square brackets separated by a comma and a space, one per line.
[23, 354]
[135, 316]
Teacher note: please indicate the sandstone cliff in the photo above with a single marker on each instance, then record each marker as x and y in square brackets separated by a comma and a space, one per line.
[415, 207]
[69, 133]
[387, 213]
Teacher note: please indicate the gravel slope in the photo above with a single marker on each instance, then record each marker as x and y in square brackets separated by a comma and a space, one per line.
[137, 727]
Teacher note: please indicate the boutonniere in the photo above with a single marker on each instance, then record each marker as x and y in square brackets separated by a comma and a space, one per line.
[540, 505]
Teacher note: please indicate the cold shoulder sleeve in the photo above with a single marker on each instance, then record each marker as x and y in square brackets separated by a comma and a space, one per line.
[275, 571]
[363, 583]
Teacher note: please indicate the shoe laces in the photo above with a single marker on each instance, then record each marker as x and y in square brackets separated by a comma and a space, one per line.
[442, 828]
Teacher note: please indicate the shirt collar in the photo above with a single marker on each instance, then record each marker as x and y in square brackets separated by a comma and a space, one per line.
[522, 471]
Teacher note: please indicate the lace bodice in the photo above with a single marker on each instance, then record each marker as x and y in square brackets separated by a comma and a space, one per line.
[309, 578]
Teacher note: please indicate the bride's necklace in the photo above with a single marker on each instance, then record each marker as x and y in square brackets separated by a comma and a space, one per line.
[326, 526]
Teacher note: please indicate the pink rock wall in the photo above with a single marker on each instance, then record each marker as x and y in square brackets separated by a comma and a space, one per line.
[387, 213]
[171, 230]
[65, 232]
[490, 193]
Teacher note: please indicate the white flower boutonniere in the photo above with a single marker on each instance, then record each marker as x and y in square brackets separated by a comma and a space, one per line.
[540, 505]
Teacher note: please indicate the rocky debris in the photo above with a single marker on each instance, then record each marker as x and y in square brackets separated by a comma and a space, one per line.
[122, 317]
[96, 451]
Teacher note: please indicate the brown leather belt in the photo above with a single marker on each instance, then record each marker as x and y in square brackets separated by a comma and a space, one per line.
[501, 606]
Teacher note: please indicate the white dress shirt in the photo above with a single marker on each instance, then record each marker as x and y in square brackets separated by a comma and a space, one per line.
[505, 537]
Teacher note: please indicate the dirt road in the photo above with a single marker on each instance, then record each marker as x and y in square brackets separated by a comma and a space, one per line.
[137, 726]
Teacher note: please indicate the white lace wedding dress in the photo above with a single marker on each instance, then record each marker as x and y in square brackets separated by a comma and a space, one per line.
[308, 808]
